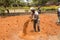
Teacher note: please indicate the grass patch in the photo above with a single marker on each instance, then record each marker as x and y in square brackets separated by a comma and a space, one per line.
[45, 8]
[2, 10]
[50, 8]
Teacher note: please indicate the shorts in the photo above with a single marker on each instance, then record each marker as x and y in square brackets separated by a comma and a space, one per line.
[36, 21]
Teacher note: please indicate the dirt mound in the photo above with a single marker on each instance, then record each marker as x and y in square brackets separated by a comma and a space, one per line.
[21, 28]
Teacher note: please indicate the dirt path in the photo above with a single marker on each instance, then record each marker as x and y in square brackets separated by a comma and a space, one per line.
[11, 28]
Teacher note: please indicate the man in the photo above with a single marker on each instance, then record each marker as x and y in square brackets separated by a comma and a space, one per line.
[32, 11]
[58, 11]
[35, 18]
[36, 21]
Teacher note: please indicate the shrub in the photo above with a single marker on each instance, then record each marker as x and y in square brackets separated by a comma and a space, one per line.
[51, 8]
[2, 11]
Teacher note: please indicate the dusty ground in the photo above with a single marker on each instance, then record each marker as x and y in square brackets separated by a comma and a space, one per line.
[14, 27]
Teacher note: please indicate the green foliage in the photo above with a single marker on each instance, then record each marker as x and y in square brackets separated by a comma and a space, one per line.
[43, 2]
[2, 10]
[51, 8]
[7, 3]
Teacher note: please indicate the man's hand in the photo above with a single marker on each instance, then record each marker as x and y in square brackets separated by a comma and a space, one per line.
[30, 18]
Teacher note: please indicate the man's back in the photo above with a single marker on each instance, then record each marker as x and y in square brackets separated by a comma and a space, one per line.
[36, 15]
[58, 11]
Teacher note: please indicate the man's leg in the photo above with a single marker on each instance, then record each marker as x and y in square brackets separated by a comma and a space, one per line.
[59, 19]
[38, 29]
[34, 25]
[38, 22]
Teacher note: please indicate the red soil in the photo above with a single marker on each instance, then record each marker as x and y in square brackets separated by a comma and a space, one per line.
[21, 28]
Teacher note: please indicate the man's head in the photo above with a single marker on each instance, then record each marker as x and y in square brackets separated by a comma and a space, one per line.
[32, 8]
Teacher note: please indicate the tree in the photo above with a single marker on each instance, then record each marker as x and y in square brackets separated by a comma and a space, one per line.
[1, 2]
[43, 2]
[7, 3]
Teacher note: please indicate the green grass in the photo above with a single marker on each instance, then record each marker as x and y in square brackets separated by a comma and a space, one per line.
[45, 8]
[2, 9]
[49, 8]
[17, 7]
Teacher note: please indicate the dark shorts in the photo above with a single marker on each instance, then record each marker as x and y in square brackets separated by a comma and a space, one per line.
[36, 21]
[58, 14]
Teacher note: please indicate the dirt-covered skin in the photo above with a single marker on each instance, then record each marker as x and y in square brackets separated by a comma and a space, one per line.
[21, 28]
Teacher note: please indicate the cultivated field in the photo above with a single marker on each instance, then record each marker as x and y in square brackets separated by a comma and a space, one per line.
[21, 28]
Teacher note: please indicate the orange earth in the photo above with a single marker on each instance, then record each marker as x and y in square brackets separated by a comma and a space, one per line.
[21, 28]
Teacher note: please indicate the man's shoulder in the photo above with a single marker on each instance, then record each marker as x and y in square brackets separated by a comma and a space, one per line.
[36, 13]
